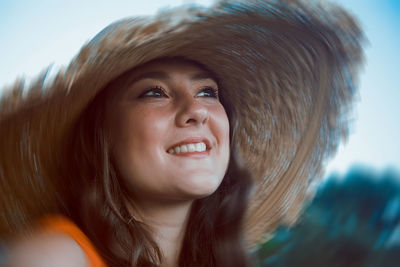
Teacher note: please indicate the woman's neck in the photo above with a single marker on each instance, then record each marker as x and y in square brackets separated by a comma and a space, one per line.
[168, 221]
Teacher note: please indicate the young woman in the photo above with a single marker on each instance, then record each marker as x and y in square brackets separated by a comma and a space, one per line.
[179, 140]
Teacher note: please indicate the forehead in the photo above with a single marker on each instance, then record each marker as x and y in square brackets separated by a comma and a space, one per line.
[161, 69]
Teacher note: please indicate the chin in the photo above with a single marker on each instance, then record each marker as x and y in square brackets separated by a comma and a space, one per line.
[201, 187]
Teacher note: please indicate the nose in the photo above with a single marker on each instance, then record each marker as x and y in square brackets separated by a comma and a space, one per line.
[191, 112]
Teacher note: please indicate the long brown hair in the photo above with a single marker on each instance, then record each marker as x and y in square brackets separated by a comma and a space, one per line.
[97, 201]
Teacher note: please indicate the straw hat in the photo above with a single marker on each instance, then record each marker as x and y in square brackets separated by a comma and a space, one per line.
[287, 70]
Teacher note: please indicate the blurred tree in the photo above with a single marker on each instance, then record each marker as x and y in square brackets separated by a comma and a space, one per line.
[352, 221]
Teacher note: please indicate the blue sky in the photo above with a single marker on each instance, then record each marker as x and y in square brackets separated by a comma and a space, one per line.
[35, 34]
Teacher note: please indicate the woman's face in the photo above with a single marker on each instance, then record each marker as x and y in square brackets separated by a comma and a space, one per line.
[170, 133]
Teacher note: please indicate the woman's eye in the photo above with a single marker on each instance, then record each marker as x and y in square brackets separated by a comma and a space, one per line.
[155, 91]
[208, 92]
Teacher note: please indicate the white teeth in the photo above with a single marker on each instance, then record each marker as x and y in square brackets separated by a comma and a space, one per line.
[199, 147]
[184, 149]
[194, 147]
[191, 147]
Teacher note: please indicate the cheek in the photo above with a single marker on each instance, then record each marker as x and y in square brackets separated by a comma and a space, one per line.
[141, 127]
[137, 137]
[222, 122]
[221, 130]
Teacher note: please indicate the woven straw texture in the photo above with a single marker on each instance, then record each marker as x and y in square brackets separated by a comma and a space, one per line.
[287, 72]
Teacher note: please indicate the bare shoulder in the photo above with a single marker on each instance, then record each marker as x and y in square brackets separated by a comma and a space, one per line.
[46, 249]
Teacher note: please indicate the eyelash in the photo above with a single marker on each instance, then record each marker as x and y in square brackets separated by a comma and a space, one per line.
[211, 91]
[159, 92]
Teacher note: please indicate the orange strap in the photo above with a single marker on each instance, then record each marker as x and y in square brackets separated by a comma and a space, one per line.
[62, 224]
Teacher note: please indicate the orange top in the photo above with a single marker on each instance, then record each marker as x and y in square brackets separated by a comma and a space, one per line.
[63, 224]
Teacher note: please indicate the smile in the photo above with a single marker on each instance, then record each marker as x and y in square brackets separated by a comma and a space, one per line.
[187, 148]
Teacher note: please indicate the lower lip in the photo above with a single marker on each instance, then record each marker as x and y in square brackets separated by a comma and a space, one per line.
[192, 154]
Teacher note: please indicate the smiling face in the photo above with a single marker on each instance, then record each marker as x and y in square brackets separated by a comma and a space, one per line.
[169, 131]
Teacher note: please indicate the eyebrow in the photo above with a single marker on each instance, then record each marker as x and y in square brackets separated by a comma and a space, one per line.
[152, 75]
[204, 75]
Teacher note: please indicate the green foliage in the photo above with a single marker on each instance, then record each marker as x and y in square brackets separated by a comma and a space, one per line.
[352, 221]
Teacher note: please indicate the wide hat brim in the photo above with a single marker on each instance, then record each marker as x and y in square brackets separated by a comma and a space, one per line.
[287, 70]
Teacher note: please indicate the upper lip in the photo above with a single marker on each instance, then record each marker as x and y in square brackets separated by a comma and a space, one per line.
[192, 140]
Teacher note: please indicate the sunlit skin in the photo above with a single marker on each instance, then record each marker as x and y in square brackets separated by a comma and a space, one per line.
[167, 104]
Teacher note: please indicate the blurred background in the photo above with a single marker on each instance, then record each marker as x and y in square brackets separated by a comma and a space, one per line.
[354, 220]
